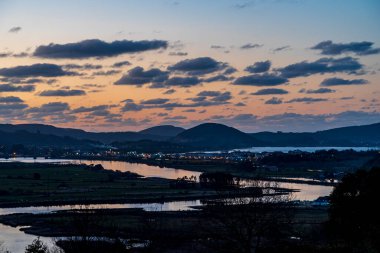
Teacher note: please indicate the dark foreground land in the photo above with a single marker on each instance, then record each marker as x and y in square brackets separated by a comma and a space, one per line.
[186, 231]
[232, 220]
[53, 184]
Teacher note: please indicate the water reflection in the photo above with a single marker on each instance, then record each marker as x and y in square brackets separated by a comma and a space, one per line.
[141, 169]
[167, 206]
[15, 240]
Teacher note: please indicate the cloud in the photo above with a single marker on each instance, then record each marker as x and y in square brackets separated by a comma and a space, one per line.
[359, 48]
[106, 73]
[215, 96]
[121, 64]
[97, 48]
[39, 69]
[203, 99]
[279, 49]
[178, 82]
[15, 29]
[5, 54]
[270, 91]
[86, 66]
[176, 117]
[217, 78]
[52, 107]
[261, 80]
[139, 76]
[317, 91]
[198, 66]
[84, 109]
[10, 100]
[12, 107]
[62, 93]
[240, 104]
[170, 91]
[189, 110]
[53, 112]
[339, 81]
[243, 5]
[322, 66]
[307, 100]
[16, 80]
[259, 67]
[229, 71]
[250, 46]
[16, 88]
[11, 54]
[178, 54]
[155, 101]
[274, 101]
[131, 106]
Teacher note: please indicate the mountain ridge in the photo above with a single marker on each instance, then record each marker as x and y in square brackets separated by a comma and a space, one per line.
[206, 136]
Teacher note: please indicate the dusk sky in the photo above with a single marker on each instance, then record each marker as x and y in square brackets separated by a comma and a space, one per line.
[261, 65]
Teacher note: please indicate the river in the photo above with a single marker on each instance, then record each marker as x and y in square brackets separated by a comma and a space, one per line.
[16, 240]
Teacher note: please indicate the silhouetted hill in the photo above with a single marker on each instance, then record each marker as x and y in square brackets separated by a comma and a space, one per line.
[218, 136]
[104, 137]
[150, 146]
[37, 139]
[164, 130]
[208, 136]
[367, 135]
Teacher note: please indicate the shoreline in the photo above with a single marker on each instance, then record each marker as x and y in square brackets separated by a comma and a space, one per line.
[188, 167]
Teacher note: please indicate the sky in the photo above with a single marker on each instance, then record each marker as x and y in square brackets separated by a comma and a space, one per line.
[257, 65]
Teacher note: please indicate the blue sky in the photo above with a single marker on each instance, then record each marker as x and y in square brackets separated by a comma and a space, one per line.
[193, 29]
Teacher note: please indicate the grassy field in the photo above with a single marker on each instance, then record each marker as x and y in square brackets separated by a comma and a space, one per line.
[44, 184]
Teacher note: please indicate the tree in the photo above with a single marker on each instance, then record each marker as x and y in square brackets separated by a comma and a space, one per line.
[216, 180]
[37, 246]
[241, 224]
[355, 209]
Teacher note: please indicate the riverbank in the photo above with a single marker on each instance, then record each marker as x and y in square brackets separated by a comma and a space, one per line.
[184, 167]
[128, 221]
[23, 185]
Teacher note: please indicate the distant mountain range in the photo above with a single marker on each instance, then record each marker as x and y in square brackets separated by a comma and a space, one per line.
[208, 136]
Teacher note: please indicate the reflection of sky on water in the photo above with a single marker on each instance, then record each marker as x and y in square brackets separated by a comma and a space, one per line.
[15, 240]
[167, 206]
[141, 169]
[304, 149]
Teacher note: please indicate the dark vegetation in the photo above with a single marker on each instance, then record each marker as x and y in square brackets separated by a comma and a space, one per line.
[227, 224]
[23, 184]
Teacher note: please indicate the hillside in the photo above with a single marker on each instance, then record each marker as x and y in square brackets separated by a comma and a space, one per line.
[367, 135]
[104, 137]
[164, 130]
[217, 136]
[37, 139]
[208, 136]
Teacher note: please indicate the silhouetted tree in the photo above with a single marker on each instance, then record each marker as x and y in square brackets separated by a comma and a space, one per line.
[241, 224]
[355, 209]
[216, 180]
[37, 246]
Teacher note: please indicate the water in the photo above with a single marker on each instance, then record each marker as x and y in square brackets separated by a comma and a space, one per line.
[152, 207]
[139, 168]
[16, 240]
[303, 149]
[306, 191]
